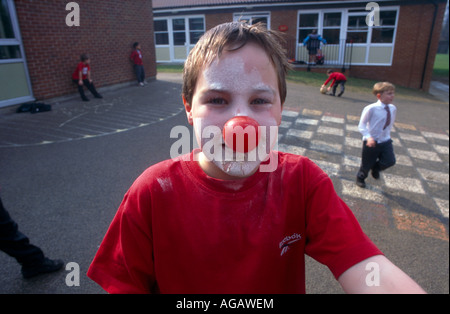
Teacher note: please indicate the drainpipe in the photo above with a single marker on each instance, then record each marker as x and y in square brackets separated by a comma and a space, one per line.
[429, 44]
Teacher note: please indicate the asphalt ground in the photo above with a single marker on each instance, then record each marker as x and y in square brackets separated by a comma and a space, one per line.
[63, 174]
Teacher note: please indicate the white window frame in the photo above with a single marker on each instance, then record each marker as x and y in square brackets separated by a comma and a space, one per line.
[170, 31]
[343, 34]
[16, 41]
[320, 28]
[252, 15]
[369, 43]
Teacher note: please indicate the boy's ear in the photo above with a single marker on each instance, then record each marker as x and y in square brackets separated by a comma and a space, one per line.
[188, 108]
[279, 118]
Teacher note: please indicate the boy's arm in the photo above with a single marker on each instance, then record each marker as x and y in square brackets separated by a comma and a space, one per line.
[305, 40]
[362, 127]
[80, 77]
[89, 76]
[377, 275]
[326, 82]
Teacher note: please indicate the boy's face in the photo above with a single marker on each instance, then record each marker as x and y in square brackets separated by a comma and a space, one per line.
[386, 97]
[243, 82]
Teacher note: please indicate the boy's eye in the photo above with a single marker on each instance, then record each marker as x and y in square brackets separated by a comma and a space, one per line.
[260, 101]
[217, 101]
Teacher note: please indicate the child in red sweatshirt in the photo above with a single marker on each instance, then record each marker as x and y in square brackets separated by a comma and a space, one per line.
[338, 79]
[136, 57]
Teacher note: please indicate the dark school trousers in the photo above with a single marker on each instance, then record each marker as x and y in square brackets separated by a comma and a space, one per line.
[88, 85]
[342, 83]
[16, 244]
[140, 73]
[379, 158]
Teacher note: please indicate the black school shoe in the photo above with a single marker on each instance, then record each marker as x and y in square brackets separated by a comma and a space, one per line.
[47, 266]
[375, 174]
[360, 182]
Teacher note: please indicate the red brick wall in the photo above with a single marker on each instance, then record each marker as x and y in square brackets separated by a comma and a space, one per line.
[288, 19]
[215, 19]
[107, 30]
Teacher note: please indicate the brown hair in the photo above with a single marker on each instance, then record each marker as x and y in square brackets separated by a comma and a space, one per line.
[381, 87]
[233, 36]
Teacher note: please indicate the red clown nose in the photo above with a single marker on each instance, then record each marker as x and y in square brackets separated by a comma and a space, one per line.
[241, 134]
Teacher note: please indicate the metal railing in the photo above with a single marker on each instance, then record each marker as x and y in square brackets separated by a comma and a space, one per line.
[335, 55]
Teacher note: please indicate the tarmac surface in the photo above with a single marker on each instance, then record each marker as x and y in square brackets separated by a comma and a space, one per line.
[63, 174]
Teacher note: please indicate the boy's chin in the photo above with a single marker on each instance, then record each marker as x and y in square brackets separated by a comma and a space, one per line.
[238, 169]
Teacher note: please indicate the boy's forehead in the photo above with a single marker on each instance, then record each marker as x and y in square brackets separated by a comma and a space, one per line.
[240, 67]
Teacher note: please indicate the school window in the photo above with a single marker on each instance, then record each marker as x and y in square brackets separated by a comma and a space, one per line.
[10, 52]
[15, 86]
[357, 29]
[253, 18]
[332, 27]
[307, 23]
[161, 32]
[327, 24]
[196, 29]
[385, 32]
[179, 32]
[175, 36]
[349, 38]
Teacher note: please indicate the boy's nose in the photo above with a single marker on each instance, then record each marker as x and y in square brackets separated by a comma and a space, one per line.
[241, 134]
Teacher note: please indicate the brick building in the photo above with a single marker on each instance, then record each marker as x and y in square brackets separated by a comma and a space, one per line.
[399, 44]
[39, 51]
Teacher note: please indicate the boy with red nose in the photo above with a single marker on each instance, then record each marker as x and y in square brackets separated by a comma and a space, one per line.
[216, 220]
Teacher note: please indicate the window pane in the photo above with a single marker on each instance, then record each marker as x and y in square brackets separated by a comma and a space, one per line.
[382, 35]
[195, 36]
[309, 20]
[196, 24]
[331, 36]
[179, 39]
[160, 26]
[357, 37]
[178, 24]
[162, 38]
[387, 18]
[357, 22]
[6, 28]
[262, 20]
[10, 52]
[332, 19]
[302, 34]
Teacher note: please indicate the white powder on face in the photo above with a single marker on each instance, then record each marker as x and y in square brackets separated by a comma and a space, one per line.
[238, 168]
[229, 74]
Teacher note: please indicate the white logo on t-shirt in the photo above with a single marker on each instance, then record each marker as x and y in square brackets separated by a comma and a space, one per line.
[287, 241]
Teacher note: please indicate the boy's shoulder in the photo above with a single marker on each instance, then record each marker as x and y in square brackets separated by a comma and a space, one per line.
[372, 105]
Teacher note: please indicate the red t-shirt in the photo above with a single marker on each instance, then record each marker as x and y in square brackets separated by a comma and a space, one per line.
[84, 68]
[335, 76]
[181, 231]
[136, 56]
